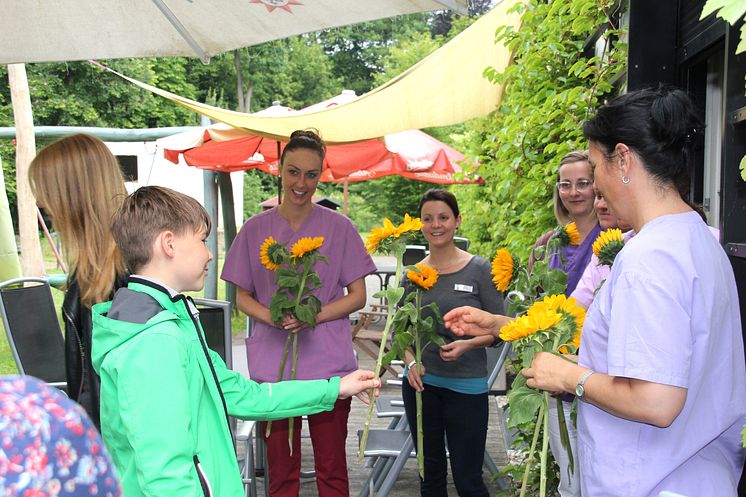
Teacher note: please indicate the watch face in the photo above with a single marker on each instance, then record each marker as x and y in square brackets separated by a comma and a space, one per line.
[579, 390]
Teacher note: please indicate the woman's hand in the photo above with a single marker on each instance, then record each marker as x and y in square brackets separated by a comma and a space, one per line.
[292, 324]
[414, 377]
[552, 373]
[469, 320]
[452, 351]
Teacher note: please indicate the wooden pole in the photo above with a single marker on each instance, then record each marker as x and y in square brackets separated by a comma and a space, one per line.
[32, 263]
[345, 191]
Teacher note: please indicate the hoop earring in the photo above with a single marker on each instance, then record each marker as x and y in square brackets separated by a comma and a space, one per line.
[625, 180]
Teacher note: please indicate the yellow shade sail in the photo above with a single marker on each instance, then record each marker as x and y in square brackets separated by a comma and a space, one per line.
[445, 88]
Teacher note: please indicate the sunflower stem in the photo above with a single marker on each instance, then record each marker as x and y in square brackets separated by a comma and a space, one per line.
[537, 429]
[544, 449]
[418, 394]
[268, 430]
[391, 310]
[293, 370]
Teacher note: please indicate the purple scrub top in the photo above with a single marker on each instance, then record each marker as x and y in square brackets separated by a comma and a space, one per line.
[327, 350]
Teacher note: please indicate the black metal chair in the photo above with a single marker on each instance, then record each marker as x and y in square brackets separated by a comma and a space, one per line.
[414, 254]
[215, 318]
[33, 329]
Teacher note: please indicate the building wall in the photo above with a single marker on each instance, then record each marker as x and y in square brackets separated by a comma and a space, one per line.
[154, 169]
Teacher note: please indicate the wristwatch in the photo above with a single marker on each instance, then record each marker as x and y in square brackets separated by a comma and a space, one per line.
[580, 388]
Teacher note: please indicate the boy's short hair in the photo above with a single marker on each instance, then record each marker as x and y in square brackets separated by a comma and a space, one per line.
[146, 213]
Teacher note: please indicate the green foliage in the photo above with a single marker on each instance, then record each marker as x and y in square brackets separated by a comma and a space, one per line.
[392, 195]
[552, 86]
[356, 51]
[412, 323]
[731, 11]
[296, 282]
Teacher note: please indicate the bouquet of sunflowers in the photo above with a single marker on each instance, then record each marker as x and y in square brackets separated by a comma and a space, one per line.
[553, 325]
[546, 321]
[410, 328]
[296, 281]
[388, 239]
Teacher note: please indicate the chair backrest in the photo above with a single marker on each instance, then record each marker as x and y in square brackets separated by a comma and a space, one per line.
[414, 254]
[215, 318]
[461, 242]
[496, 357]
[33, 329]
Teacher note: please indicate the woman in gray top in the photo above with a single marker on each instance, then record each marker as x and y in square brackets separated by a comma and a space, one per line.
[454, 376]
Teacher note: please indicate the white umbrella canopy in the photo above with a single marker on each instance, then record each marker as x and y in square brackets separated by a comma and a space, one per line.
[50, 30]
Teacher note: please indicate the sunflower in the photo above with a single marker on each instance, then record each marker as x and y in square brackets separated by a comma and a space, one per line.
[575, 343]
[528, 324]
[607, 246]
[503, 266]
[425, 279]
[305, 246]
[379, 233]
[560, 303]
[268, 254]
[572, 232]
[409, 224]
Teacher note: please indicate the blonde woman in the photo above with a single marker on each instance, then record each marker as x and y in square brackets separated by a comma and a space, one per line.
[78, 183]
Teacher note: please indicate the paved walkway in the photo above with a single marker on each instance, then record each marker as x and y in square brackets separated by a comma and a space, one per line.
[408, 483]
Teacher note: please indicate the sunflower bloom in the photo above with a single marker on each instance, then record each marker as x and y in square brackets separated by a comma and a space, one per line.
[529, 324]
[380, 233]
[562, 304]
[502, 269]
[607, 246]
[572, 233]
[305, 246]
[426, 278]
[265, 254]
[409, 224]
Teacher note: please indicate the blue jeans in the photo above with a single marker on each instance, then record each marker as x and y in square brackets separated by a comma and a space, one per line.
[462, 420]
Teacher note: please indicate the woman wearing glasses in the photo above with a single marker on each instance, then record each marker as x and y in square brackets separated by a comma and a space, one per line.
[573, 202]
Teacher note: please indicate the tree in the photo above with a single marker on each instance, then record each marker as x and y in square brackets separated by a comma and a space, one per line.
[552, 87]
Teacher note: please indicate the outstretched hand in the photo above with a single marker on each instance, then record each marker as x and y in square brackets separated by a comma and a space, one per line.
[469, 320]
[358, 383]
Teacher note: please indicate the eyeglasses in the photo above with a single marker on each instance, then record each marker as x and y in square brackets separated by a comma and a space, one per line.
[581, 185]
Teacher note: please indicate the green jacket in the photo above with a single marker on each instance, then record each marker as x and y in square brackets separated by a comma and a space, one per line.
[163, 417]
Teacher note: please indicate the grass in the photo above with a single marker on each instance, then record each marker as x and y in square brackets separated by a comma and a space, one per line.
[7, 363]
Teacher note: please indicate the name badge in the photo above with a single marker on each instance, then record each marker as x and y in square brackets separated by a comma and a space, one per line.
[463, 288]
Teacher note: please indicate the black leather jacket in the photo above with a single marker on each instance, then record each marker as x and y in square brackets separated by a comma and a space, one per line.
[83, 383]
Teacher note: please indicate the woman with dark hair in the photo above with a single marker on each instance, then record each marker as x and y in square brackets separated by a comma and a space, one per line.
[453, 378]
[78, 183]
[661, 375]
[323, 352]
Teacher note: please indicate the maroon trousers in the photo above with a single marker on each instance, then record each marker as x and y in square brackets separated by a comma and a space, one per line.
[328, 436]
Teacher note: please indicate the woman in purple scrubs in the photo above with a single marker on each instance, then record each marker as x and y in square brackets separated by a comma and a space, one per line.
[323, 352]
[661, 375]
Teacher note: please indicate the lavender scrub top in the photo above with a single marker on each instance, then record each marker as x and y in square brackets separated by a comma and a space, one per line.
[668, 314]
[327, 350]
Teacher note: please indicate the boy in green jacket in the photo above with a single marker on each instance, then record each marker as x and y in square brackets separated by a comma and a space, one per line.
[166, 397]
